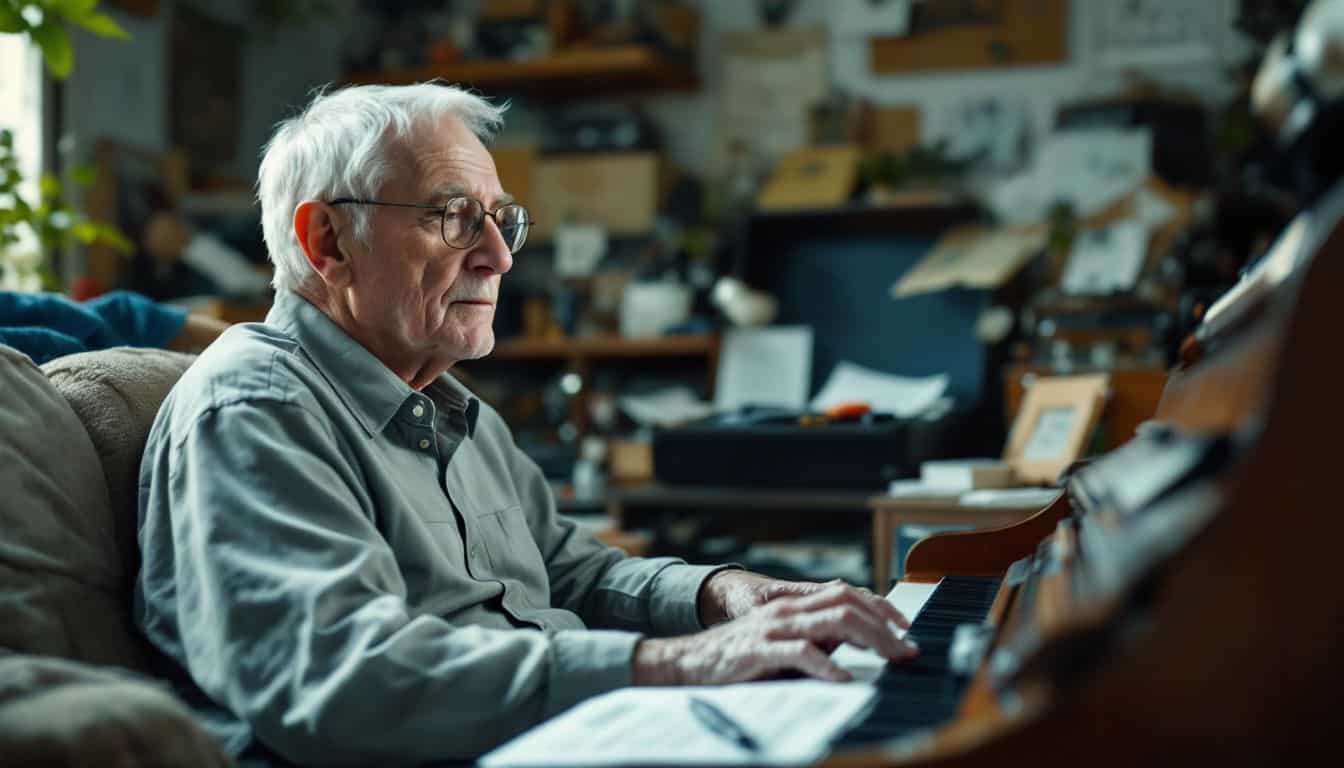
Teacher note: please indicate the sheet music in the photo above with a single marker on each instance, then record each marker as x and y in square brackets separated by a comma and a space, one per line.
[795, 722]
[866, 666]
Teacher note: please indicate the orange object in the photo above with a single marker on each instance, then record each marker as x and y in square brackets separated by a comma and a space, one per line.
[847, 410]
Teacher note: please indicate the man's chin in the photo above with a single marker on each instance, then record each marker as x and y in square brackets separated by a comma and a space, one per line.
[479, 347]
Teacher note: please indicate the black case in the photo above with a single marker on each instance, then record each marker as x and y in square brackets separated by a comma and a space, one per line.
[843, 455]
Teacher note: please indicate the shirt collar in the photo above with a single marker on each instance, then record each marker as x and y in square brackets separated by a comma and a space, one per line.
[369, 389]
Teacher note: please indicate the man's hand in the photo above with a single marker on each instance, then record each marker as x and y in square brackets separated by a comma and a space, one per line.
[785, 632]
[730, 594]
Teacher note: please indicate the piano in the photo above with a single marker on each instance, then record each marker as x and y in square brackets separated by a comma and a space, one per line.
[1182, 602]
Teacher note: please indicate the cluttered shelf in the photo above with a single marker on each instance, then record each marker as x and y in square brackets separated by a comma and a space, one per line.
[606, 346]
[568, 71]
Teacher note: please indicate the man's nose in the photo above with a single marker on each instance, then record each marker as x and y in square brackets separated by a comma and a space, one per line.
[491, 251]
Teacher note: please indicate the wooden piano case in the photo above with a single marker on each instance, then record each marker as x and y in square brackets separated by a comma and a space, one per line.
[1218, 641]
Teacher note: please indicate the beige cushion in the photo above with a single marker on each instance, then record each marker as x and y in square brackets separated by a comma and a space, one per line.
[62, 582]
[116, 393]
[60, 713]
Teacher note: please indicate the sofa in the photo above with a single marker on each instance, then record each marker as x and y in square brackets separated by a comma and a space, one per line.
[78, 684]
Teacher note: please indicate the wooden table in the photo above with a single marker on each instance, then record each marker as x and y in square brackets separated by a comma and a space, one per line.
[891, 512]
[887, 513]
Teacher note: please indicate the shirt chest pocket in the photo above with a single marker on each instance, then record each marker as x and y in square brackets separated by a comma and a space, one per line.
[509, 544]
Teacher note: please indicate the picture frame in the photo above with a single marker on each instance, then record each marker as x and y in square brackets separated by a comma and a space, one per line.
[1052, 429]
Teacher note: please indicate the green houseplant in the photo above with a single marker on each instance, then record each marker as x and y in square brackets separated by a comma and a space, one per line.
[32, 228]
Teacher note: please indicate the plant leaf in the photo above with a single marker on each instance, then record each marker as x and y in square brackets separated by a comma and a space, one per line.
[72, 7]
[10, 19]
[109, 235]
[102, 25]
[55, 45]
[84, 231]
[84, 174]
[49, 186]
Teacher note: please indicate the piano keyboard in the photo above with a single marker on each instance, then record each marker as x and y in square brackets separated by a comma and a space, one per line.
[925, 692]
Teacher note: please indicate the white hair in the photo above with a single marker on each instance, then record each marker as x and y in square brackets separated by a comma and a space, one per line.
[340, 145]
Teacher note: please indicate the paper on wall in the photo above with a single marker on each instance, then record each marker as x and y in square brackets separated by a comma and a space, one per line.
[902, 396]
[771, 80]
[1085, 169]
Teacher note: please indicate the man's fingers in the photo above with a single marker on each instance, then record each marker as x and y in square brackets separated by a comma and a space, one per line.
[842, 594]
[845, 623]
[806, 658]
[888, 610]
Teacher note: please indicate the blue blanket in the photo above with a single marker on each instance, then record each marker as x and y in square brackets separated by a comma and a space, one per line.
[45, 326]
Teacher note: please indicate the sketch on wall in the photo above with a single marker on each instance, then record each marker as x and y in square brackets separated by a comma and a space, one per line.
[1137, 33]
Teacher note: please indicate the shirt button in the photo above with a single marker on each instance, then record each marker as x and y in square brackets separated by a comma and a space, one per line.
[424, 443]
[418, 411]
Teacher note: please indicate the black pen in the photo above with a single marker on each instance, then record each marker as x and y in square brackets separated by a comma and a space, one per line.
[719, 722]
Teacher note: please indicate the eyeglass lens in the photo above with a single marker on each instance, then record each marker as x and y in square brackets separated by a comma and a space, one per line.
[464, 218]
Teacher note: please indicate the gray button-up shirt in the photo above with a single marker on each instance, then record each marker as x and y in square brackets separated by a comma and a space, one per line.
[348, 570]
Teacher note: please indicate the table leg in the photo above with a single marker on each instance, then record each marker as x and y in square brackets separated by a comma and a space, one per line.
[884, 526]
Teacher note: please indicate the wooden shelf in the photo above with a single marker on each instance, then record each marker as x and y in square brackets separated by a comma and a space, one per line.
[566, 73]
[592, 347]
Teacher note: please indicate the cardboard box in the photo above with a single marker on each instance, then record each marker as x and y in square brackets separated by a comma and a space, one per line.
[972, 256]
[811, 177]
[618, 190]
[516, 164]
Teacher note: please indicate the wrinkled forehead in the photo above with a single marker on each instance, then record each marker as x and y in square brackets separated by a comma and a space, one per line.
[440, 159]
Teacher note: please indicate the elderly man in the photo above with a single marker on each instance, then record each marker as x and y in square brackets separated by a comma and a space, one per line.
[343, 550]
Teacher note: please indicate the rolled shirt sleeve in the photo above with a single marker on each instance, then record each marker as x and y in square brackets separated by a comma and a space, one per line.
[297, 621]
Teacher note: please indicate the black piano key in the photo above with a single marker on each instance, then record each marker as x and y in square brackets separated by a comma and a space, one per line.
[925, 692]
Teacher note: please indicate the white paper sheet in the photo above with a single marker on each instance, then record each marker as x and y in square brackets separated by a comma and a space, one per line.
[884, 392]
[866, 666]
[1009, 497]
[673, 405]
[764, 366]
[794, 721]
[917, 488]
[1106, 260]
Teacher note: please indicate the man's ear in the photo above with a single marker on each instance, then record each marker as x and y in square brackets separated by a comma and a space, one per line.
[315, 226]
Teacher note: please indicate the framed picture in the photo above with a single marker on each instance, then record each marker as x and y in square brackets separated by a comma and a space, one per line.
[1054, 424]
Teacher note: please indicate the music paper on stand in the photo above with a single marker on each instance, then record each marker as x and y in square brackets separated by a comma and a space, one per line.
[903, 396]
[764, 366]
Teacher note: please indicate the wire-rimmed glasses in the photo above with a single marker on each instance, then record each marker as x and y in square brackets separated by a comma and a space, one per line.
[462, 219]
